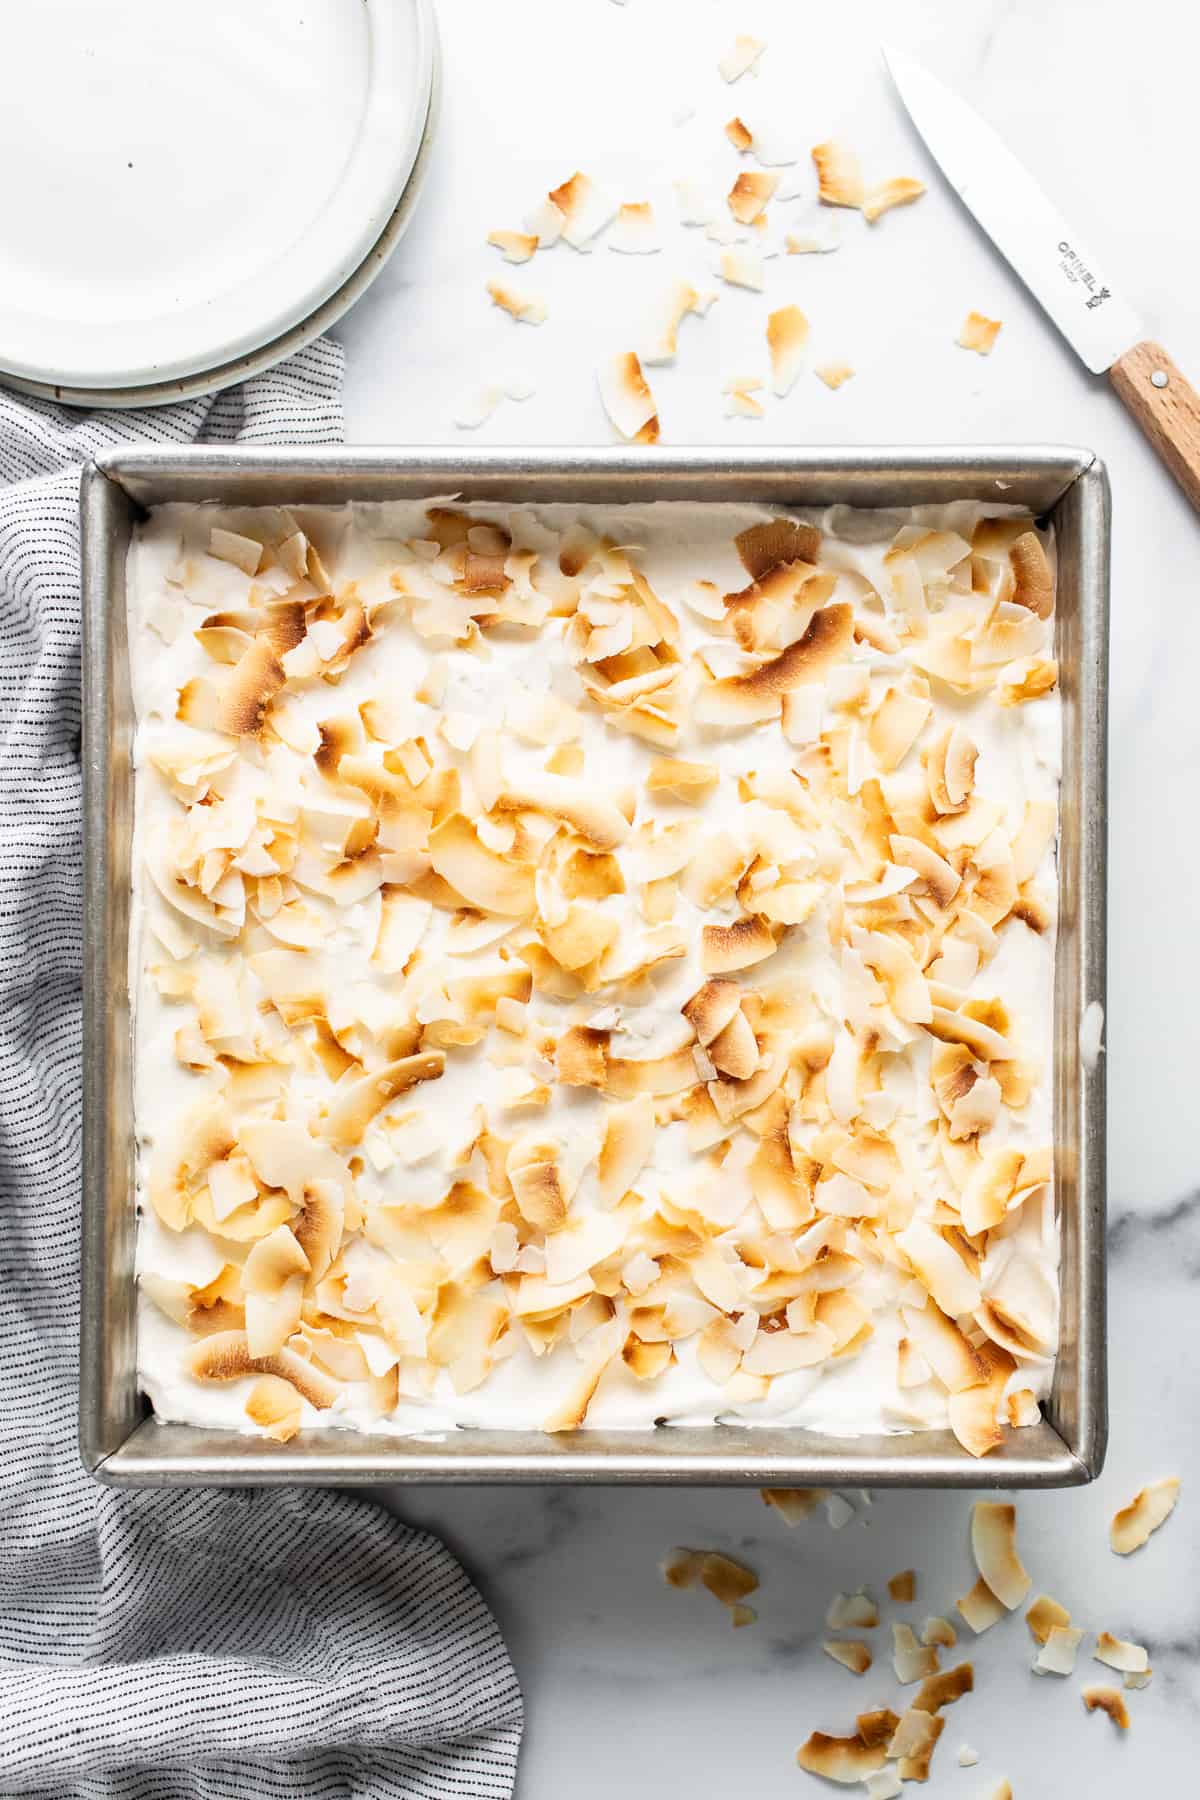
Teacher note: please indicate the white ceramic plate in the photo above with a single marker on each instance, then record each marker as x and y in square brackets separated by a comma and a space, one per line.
[188, 179]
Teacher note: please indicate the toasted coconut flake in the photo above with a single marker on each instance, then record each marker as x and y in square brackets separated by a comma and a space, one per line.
[852, 1611]
[994, 1545]
[885, 1784]
[839, 176]
[688, 782]
[681, 1568]
[979, 333]
[938, 1265]
[245, 553]
[662, 338]
[625, 1148]
[845, 1760]
[748, 698]
[627, 398]
[724, 948]
[914, 1743]
[1108, 1700]
[1057, 1654]
[492, 883]
[571, 1411]
[585, 208]
[912, 1661]
[225, 1356]
[903, 1587]
[635, 231]
[944, 1688]
[1149, 1509]
[1043, 1615]
[251, 686]
[834, 374]
[939, 1631]
[787, 337]
[980, 1608]
[1033, 583]
[1118, 1653]
[852, 1653]
[739, 134]
[515, 246]
[275, 1405]
[742, 268]
[900, 191]
[356, 1103]
[727, 1580]
[742, 54]
[750, 194]
[527, 309]
[535, 1171]
[793, 1505]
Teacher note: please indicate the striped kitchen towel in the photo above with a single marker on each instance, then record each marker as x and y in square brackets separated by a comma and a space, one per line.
[172, 1643]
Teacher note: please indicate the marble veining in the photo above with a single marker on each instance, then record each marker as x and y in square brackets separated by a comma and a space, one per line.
[629, 1686]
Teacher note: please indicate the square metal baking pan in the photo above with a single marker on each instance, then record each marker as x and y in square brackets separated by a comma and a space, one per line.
[121, 1442]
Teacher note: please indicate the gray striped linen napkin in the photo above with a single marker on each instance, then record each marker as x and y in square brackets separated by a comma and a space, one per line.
[170, 1644]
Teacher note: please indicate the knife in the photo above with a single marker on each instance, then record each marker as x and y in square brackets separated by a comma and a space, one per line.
[1060, 272]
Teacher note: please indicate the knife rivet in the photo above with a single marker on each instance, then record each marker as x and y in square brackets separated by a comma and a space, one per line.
[1159, 379]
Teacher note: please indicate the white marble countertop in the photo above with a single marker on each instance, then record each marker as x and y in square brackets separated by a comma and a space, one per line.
[628, 1685]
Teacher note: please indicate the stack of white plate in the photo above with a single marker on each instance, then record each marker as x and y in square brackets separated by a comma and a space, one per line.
[195, 188]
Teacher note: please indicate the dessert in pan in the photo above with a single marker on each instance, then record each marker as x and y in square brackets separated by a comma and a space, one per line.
[593, 966]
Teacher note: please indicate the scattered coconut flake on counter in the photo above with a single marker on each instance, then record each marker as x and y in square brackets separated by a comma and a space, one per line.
[945, 1687]
[1108, 1700]
[978, 333]
[515, 246]
[1057, 1654]
[696, 203]
[844, 1760]
[838, 1511]
[834, 374]
[726, 1580]
[627, 398]
[739, 134]
[793, 1505]
[840, 183]
[852, 1653]
[742, 55]
[742, 268]
[911, 1661]
[527, 309]
[1138, 1521]
[901, 191]
[884, 1784]
[787, 337]
[913, 1743]
[903, 1588]
[478, 408]
[852, 1611]
[1043, 1616]
[967, 1757]
[584, 207]
[1091, 1034]
[1127, 1658]
[939, 1631]
[814, 240]
[1001, 1791]
[980, 1608]
[741, 403]
[994, 1545]
[635, 230]
[748, 197]
[662, 340]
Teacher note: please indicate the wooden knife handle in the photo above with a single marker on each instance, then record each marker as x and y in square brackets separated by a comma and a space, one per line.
[1166, 406]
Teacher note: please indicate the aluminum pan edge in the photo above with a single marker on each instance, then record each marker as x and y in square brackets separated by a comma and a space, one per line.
[122, 1446]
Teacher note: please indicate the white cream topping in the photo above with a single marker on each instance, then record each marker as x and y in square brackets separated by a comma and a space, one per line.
[494, 687]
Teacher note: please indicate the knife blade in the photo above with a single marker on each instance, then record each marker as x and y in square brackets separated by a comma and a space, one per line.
[1063, 275]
